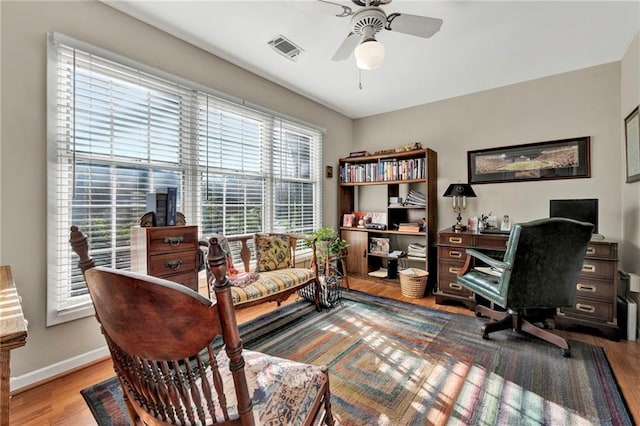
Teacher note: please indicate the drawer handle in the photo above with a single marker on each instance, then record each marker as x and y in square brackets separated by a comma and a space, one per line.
[589, 268]
[455, 286]
[455, 253]
[583, 287]
[585, 308]
[174, 265]
[455, 240]
[453, 270]
[591, 250]
[174, 241]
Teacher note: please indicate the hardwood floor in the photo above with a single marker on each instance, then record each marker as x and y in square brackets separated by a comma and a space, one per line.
[58, 402]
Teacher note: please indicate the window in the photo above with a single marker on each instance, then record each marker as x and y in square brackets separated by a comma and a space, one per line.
[118, 130]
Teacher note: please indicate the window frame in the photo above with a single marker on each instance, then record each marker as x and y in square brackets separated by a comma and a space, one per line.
[61, 306]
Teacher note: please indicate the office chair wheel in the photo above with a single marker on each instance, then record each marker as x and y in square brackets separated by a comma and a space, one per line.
[478, 314]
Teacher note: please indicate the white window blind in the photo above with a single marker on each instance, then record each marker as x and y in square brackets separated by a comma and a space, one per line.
[118, 130]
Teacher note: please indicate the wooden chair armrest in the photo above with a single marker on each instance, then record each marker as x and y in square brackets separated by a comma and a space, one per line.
[468, 264]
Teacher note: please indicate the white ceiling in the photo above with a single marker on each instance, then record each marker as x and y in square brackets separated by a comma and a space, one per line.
[481, 45]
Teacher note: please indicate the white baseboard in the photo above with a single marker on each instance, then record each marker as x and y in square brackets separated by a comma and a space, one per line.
[41, 375]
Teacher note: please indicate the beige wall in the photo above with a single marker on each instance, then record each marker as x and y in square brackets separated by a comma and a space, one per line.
[24, 26]
[580, 103]
[630, 99]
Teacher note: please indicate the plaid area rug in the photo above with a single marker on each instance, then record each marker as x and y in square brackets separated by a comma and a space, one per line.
[393, 363]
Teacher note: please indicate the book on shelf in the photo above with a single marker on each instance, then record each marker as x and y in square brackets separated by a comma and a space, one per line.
[382, 171]
[415, 198]
[157, 204]
[417, 250]
[409, 227]
[172, 196]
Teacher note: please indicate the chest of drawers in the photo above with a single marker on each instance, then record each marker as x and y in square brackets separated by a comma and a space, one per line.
[596, 292]
[169, 252]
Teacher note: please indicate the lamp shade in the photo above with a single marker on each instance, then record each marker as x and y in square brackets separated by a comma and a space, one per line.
[459, 189]
[369, 54]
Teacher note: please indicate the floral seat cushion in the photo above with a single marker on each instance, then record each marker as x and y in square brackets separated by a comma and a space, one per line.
[269, 283]
[292, 389]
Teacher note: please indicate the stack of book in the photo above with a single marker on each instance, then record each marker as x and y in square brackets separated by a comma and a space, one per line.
[417, 250]
[415, 198]
[409, 227]
[163, 206]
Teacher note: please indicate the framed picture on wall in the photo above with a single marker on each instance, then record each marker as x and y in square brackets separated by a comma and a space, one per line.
[560, 159]
[632, 142]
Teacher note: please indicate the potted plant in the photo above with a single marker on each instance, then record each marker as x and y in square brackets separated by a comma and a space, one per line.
[329, 246]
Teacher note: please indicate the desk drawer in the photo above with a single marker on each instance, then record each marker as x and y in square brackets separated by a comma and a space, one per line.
[448, 285]
[452, 254]
[602, 250]
[450, 269]
[589, 289]
[170, 239]
[492, 241]
[593, 268]
[162, 265]
[590, 309]
[452, 239]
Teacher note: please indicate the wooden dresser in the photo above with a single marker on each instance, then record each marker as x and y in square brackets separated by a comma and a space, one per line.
[169, 252]
[596, 292]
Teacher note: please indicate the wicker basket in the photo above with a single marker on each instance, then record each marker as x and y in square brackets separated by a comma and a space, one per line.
[413, 282]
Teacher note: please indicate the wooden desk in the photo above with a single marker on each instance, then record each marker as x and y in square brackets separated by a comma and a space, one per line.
[596, 293]
[13, 334]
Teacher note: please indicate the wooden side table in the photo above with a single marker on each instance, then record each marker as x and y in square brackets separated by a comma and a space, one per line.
[13, 334]
[168, 252]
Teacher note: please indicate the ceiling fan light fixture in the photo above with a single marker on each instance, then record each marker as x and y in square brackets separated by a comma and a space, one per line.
[369, 54]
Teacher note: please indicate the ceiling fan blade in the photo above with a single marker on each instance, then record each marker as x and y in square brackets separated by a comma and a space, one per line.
[420, 26]
[348, 45]
[338, 9]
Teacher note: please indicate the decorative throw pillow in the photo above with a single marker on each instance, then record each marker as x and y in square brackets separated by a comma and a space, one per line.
[272, 252]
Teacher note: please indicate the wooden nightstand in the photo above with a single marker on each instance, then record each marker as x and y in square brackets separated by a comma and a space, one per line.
[169, 252]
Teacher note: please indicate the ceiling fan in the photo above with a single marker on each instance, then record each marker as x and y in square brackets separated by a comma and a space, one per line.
[371, 19]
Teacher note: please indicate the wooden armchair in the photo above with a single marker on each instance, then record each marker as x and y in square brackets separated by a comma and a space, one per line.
[166, 343]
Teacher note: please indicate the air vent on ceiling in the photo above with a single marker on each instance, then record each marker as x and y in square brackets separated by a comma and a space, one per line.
[285, 47]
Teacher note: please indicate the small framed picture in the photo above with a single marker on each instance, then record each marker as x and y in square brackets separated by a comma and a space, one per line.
[329, 171]
[348, 220]
[506, 223]
[632, 139]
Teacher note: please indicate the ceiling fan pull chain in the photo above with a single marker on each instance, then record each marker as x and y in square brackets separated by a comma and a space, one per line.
[359, 79]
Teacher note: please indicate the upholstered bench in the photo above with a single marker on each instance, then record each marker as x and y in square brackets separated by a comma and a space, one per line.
[275, 276]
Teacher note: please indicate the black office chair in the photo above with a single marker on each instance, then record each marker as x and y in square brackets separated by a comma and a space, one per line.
[538, 274]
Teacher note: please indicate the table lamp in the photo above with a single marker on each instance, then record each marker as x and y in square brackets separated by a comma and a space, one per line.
[459, 192]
